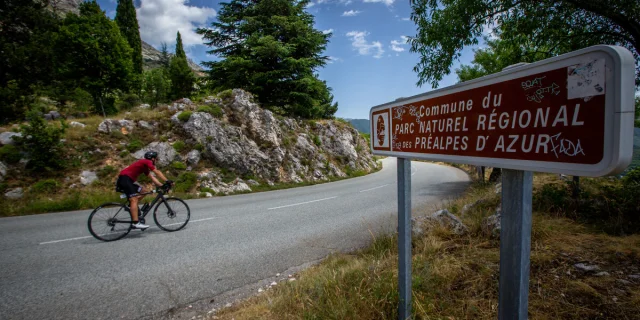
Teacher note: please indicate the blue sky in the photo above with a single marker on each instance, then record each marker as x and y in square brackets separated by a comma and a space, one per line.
[370, 64]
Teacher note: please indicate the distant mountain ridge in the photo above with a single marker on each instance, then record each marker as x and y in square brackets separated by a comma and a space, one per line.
[361, 125]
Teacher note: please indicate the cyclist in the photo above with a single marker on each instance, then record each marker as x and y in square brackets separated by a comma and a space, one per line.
[127, 183]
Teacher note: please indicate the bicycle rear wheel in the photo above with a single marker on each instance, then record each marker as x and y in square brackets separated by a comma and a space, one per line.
[171, 214]
[109, 222]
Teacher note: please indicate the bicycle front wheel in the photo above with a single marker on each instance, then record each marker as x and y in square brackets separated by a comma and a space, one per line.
[109, 222]
[171, 214]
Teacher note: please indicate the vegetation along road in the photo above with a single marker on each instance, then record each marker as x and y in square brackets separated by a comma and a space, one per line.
[53, 269]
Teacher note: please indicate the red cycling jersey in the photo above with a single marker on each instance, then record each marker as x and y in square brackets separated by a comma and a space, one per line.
[138, 167]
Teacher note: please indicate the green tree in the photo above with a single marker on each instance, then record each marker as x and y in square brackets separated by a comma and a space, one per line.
[27, 30]
[42, 143]
[498, 55]
[271, 49]
[92, 55]
[550, 27]
[156, 86]
[130, 30]
[165, 57]
[181, 75]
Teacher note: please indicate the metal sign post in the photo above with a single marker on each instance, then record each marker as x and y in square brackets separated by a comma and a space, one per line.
[404, 237]
[515, 244]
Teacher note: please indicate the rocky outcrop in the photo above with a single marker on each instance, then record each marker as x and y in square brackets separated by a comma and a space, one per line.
[88, 177]
[252, 141]
[13, 194]
[443, 218]
[166, 153]
[110, 125]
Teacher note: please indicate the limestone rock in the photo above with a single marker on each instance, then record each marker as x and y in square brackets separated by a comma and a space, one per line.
[88, 177]
[166, 153]
[491, 225]
[77, 124]
[7, 137]
[448, 219]
[14, 194]
[193, 157]
[145, 125]
[110, 125]
[585, 267]
[3, 171]
[144, 106]
[261, 124]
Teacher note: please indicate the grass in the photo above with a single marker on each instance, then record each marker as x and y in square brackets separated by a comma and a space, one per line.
[456, 277]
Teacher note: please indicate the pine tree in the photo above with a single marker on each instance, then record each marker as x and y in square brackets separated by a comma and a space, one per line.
[130, 30]
[92, 55]
[271, 49]
[165, 58]
[181, 75]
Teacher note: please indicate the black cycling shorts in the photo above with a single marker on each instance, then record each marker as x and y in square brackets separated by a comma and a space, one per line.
[127, 186]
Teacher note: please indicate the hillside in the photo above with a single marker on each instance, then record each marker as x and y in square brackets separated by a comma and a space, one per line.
[219, 145]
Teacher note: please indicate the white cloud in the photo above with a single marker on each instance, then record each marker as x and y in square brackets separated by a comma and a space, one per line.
[310, 4]
[406, 19]
[160, 20]
[333, 59]
[398, 45]
[351, 13]
[327, 31]
[365, 48]
[387, 2]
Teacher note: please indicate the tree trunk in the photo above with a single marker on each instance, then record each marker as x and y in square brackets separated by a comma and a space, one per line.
[496, 173]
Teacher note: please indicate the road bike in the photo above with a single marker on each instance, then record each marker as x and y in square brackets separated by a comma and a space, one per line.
[112, 221]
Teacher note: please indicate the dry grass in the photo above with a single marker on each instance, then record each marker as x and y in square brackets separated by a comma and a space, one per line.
[456, 277]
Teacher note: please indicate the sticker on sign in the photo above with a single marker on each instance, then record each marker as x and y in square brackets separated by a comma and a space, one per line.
[571, 114]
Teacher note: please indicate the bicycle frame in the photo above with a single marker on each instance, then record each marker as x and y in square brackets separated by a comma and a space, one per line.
[144, 213]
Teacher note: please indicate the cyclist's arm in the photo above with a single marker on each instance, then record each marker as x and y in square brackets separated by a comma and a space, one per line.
[159, 174]
[154, 180]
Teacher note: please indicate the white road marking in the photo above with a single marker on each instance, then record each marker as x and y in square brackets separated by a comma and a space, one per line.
[80, 238]
[297, 204]
[378, 187]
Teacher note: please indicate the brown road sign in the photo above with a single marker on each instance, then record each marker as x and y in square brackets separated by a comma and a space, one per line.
[570, 114]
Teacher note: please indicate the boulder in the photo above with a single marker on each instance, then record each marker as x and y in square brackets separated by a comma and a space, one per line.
[145, 125]
[144, 106]
[586, 267]
[253, 182]
[14, 194]
[48, 117]
[449, 220]
[77, 124]
[110, 125]
[55, 115]
[88, 177]
[491, 225]
[193, 157]
[166, 153]
[7, 137]
[208, 194]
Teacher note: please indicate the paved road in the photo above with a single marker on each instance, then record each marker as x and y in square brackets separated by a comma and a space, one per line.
[51, 268]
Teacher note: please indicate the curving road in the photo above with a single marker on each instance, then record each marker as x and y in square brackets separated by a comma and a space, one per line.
[51, 268]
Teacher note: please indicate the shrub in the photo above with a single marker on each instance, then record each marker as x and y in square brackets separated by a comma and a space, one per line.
[316, 140]
[45, 186]
[42, 142]
[184, 116]
[128, 101]
[632, 177]
[178, 165]
[179, 146]
[106, 171]
[135, 145]
[186, 181]
[199, 147]
[215, 110]
[226, 94]
[10, 154]
[82, 100]
[205, 189]
[124, 153]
